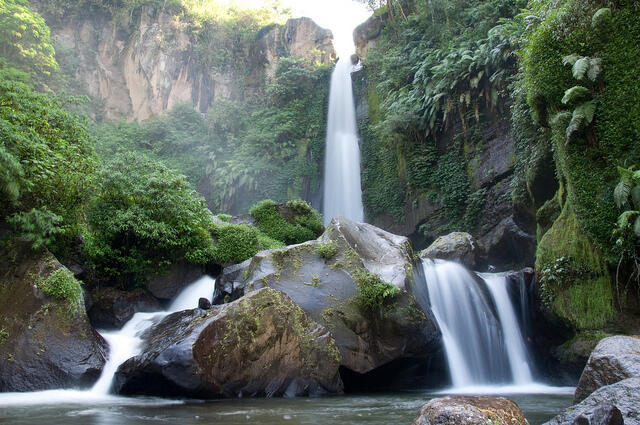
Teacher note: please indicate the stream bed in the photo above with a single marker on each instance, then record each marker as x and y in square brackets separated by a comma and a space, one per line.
[71, 407]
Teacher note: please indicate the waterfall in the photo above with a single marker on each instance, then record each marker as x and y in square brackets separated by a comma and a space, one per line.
[342, 191]
[126, 342]
[480, 332]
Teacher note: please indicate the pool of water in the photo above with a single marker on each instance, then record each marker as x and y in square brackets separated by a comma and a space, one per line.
[70, 407]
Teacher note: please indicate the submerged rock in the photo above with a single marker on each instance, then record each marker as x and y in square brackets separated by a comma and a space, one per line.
[597, 408]
[46, 342]
[614, 359]
[261, 345]
[460, 247]
[467, 410]
[326, 278]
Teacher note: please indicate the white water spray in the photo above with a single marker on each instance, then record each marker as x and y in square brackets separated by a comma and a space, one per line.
[126, 342]
[480, 332]
[342, 190]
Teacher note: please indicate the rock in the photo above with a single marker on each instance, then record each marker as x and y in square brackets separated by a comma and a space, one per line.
[597, 407]
[45, 342]
[204, 304]
[319, 277]
[467, 410]
[460, 247]
[169, 284]
[112, 308]
[508, 244]
[614, 359]
[366, 34]
[261, 345]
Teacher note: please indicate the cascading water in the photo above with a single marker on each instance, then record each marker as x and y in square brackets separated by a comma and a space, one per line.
[126, 342]
[482, 340]
[342, 191]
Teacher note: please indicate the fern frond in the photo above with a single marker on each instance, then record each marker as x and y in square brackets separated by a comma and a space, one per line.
[580, 68]
[576, 94]
[570, 59]
[601, 17]
[624, 221]
[621, 194]
[595, 68]
[576, 124]
[588, 110]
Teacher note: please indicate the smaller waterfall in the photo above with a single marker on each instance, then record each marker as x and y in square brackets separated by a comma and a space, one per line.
[480, 331]
[342, 190]
[126, 342]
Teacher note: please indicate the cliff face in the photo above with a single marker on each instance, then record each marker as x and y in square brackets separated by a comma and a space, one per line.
[139, 72]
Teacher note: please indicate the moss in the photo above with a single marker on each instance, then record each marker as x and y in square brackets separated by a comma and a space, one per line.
[327, 250]
[63, 286]
[374, 293]
[4, 335]
[547, 214]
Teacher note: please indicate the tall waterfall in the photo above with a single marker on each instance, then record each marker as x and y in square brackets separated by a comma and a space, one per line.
[342, 191]
[480, 331]
[126, 342]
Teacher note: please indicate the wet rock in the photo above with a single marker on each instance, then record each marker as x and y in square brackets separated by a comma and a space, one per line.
[169, 284]
[460, 247]
[509, 244]
[601, 415]
[597, 407]
[320, 276]
[45, 342]
[614, 359]
[261, 345]
[467, 410]
[112, 308]
[204, 304]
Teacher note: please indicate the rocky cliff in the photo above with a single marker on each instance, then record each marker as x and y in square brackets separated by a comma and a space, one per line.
[141, 70]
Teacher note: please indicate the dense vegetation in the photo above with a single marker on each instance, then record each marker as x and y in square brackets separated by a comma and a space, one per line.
[562, 71]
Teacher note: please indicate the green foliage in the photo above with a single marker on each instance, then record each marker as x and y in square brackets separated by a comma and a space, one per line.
[240, 153]
[375, 293]
[25, 38]
[145, 217]
[328, 250]
[62, 285]
[234, 243]
[297, 222]
[46, 162]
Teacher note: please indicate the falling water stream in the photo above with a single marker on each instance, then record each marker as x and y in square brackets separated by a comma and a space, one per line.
[342, 191]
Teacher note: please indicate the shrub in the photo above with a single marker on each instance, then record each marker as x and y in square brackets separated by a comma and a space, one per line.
[375, 293]
[302, 223]
[146, 217]
[234, 243]
[62, 285]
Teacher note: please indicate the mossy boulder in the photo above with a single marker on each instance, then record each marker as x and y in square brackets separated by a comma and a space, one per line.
[460, 247]
[468, 410]
[46, 340]
[263, 345]
[356, 280]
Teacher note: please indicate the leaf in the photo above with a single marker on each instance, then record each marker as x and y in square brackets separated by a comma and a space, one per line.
[624, 220]
[570, 59]
[588, 110]
[576, 125]
[621, 194]
[595, 68]
[575, 94]
[580, 68]
[601, 17]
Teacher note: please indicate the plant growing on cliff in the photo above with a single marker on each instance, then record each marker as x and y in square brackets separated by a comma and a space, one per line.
[297, 222]
[63, 286]
[374, 293]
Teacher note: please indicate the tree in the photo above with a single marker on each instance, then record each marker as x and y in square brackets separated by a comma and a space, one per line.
[25, 38]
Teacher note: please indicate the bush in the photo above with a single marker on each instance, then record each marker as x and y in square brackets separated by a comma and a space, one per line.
[234, 243]
[294, 222]
[144, 218]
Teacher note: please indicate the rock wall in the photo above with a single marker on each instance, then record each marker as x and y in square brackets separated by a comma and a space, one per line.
[141, 71]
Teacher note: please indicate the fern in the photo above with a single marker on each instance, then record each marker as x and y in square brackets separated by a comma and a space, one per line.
[576, 94]
[581, 118]
[624, 221]
[601, 17]
[595, 69]
[621, 194]
[580, 68]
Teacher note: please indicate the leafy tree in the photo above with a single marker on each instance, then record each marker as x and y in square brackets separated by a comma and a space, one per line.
[145, 217]
[25, 38]
[46, 161]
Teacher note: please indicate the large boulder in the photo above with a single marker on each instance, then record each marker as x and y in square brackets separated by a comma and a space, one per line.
[460, 247]
[467, 410]
[614, 359]
[46, 340]
[261, 345]
[600, 407]
[112, 308]
[169, 284]
[329, 279]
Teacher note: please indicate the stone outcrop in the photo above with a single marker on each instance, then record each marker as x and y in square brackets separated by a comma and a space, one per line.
[169, 284]
[261, 345]
[467, 410]
[600, 407]
[45, 342]
[365, 35]
[614, 359]
[111, 308]
[142, 69]
[323, 278]
[460, 247]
